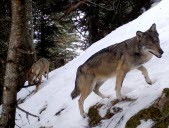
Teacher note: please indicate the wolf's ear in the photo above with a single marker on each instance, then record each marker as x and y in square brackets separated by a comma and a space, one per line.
[139, 35]
[153, 27]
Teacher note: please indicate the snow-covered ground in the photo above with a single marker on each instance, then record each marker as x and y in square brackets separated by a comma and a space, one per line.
[54, 94]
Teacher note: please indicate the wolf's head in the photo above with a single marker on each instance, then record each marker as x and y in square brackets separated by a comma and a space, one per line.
[30, 77]
[149, 41]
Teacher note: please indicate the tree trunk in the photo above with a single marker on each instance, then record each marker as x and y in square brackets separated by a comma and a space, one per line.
[93, 25]
[93, 30]
[26, 49]
[5, 25]
[29, 15]
[18, 61]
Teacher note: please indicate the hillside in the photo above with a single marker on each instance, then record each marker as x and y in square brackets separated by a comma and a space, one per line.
[53, 104]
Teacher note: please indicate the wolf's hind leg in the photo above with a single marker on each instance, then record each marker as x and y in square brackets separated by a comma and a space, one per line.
[83, 96]
[86, 85]
[145, 74]
[96, 90]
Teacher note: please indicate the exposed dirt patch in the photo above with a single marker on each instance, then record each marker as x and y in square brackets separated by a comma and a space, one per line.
[95, 118]
[158, 112]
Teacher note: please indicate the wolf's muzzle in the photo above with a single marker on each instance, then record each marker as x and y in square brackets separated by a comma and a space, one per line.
[161, 51]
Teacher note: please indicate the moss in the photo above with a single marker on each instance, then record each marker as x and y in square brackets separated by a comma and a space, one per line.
[166, 91]
[165, 109]
[93, 114]
[149, 113]
[161, 125]
[161, 118]
[133, 122]
[163, 121]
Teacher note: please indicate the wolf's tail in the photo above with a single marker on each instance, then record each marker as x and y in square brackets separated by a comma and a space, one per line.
[76, 90]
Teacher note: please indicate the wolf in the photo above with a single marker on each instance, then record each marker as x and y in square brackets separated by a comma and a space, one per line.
[116, 60]
[38, 69]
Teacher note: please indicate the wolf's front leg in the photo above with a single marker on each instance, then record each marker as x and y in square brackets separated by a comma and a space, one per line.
[145, 74]
[37, 85]
[119, 81]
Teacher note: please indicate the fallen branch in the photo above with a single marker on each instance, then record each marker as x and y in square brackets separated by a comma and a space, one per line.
[20, 100]
[28, 113]
[26, 86]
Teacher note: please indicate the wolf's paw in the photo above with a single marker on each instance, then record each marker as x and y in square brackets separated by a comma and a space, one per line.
[149, 81]
[84, 115]
[107, 96]
[117, 109]
[122, 98]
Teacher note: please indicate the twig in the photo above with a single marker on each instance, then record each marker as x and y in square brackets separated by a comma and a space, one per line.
[18, 126]
[109, 9]
[20, 117]
[20, 100]
[58, 113]
[74, 6]
[161, 119]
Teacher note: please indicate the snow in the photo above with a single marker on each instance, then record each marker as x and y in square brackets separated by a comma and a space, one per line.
[145, 124]
[54, 94]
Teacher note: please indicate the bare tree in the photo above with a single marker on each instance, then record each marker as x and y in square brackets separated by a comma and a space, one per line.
[19, 59]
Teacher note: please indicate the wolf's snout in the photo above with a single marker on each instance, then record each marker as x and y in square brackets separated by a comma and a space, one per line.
[161, 51]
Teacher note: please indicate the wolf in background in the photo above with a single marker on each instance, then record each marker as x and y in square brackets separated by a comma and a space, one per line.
[116, 60]
[38, 69]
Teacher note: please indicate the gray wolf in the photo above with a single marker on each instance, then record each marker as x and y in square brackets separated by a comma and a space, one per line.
[116, 60]
[38, 69]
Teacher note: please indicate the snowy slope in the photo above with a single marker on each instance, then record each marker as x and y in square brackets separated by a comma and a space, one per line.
[55, 93]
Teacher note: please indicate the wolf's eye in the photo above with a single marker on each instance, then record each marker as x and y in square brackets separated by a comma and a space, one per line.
[156, 40]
